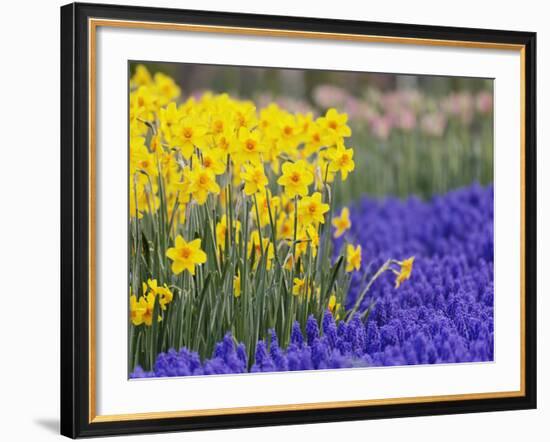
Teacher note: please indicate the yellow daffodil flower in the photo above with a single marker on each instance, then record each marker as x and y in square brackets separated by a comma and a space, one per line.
[304, 122]
[316, 138]
[268, 117]
[143, 197]
[405, 271]
[296, 178]
[143, 104]
[265, 248]
[341, 223]
[237, 285]
[186, 255]
[202, 182]
[307, 237]
[166, 88]
[334, 307]
[324, 173]
[212, 159]
[180, 183]
[341, 160]
[149, 304]
[254, 178]
[285, 226]
[141, 77]
[187, 134]
[335, 123]
[222, 230]
[163, 292]
[311, 210]
[353, 258]
[250, 147]
[140, 158]
[286, 132]
[245, 115]
[169, 117]
[218, 124]
[266, 203]
[298, 287]
[137, 309]
[226, 142]
[313, 236]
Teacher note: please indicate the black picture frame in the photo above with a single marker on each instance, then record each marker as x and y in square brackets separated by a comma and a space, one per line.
[75, 220]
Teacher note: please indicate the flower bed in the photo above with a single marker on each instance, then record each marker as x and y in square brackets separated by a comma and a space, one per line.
[444, 314]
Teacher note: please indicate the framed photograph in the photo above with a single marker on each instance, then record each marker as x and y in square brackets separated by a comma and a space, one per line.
[278, 220]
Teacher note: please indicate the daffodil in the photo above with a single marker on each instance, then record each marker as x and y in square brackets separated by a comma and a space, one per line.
[266, 204]
[169, 117]
[143, 104]
[183, 189]
[335, 123]
[250, 146]
[404, 272]
[186, 255]
[141, 77]
[317, 138]
[164, 293]
[312, 234]
[226, 142]
[353, 258]
[324, 173]
[298, 286]
[166, 88]
[311, 209]
[212, 159]
[245, 115]
[304, 122]
[334, 306]
[149, 304]
[140, 158]
[307, 236]
[269, 116]
[137, 309]
[187, 134]
[202, 182]
[142, 196]
[260, 249]
[286, 131]
[296, 178]
[222, 230]
[218, 124]
[341, 160]
[155, 146]
[285, 226]
[341, 223]
[237, 285]
[254, 178]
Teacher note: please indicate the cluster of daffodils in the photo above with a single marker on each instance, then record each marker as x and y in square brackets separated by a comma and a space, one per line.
[226, 198]
[142, 310]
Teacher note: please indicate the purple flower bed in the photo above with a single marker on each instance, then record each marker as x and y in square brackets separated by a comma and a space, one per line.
[443, 314]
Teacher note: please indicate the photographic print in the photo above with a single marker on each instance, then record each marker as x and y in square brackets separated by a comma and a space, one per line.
[287, 219]
[292, 220]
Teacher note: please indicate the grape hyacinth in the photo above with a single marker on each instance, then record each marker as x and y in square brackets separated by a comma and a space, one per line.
[443, 314]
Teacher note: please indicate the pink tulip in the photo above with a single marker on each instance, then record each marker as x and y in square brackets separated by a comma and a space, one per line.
[433, 124]
[484, 102]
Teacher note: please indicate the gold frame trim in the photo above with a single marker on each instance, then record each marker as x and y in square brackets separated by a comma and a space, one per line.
[93, 24]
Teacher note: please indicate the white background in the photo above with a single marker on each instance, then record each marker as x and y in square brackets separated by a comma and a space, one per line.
[30, 223]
